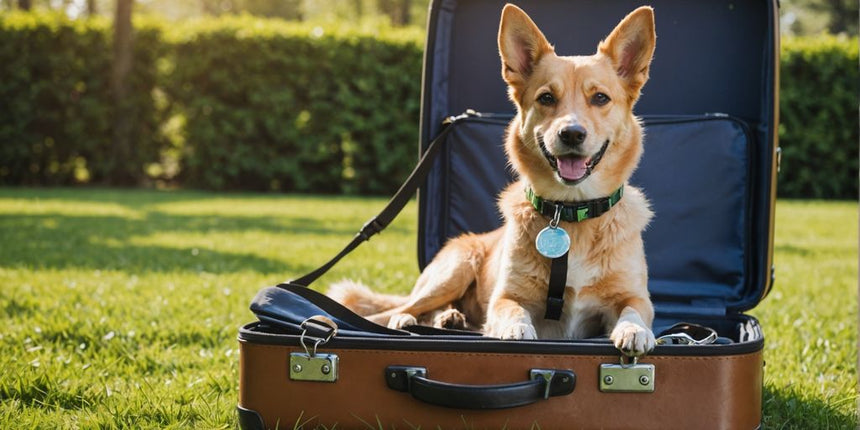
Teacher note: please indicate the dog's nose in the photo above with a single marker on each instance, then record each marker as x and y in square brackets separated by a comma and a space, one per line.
[572, 135]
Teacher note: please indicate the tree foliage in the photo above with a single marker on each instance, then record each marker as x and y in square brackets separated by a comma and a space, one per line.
[56, 110]
[819, 117]
[241, 103]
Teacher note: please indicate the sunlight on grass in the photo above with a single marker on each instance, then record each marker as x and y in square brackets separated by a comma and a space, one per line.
[810, 318]
[121, 307]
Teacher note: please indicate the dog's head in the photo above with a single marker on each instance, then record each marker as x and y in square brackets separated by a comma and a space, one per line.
[575, 135]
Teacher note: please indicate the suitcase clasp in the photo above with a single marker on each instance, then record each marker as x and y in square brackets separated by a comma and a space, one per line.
[631, 377]
[310, 365]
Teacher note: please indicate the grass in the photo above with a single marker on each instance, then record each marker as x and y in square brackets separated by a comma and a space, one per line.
[120, 308]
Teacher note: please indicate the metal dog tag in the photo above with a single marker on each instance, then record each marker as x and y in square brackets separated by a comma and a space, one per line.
[552, 242]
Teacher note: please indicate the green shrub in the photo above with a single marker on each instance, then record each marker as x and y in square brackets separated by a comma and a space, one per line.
[55, 118]
[819, 117]
[272, 105]
[269, 105]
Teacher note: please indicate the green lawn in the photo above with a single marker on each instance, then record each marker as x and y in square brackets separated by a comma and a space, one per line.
[120, 308]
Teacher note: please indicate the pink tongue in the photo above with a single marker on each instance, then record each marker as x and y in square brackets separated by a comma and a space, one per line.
[572, 168]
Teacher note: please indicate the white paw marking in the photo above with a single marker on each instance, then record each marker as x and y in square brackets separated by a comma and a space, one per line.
[398, 321]
[632, 339]
[517, 331]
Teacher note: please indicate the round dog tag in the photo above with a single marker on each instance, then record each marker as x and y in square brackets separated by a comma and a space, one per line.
[552, 242]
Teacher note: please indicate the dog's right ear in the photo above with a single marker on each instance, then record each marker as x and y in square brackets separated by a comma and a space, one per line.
[521, 45]
[630, 46]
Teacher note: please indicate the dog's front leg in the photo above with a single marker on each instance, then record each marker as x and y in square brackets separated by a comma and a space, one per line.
[507, 319]
[632, 334]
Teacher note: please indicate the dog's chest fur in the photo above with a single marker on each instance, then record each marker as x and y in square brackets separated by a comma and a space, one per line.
[598, 246]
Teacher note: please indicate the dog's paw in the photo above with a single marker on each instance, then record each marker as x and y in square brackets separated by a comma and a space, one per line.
[398, 321]
[632, 339]
[517, 331]
[450, 318]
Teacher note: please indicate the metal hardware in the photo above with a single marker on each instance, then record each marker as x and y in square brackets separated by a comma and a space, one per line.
[319, 368]
[556, 217]
[317, 322]
[545, 374]
[310, 365]
[688, 334]
[630, 377]
[454, 118]
[397, 377]
[778, 158]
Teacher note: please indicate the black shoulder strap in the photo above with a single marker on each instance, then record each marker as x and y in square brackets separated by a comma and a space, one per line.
[557, 283]
[394, 206]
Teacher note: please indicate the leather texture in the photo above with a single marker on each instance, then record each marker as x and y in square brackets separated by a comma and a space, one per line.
[713, 392]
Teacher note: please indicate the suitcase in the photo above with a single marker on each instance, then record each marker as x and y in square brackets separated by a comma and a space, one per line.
[710, 114]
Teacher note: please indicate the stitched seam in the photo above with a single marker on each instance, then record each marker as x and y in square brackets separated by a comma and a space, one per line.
[611, 358]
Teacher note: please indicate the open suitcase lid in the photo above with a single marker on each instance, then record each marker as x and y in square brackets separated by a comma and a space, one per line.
[710, 160]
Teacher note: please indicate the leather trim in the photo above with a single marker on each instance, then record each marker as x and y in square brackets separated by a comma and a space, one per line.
[249, 420]
[259, 334]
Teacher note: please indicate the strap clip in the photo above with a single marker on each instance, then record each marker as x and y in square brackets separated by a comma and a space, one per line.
[322, 329]
[370, 228]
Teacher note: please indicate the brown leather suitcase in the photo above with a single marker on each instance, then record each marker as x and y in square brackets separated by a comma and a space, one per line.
[710, 115]
[318, 379]
[689, 391]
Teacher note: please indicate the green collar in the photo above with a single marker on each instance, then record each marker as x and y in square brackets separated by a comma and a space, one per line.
[574, 211]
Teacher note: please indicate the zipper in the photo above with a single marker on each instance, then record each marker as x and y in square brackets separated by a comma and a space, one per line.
[257, 333]
[471, 115]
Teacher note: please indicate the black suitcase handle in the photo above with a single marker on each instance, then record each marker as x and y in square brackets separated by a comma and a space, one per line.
[543, 384]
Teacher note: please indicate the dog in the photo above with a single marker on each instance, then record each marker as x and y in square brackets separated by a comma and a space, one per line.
[574, 138]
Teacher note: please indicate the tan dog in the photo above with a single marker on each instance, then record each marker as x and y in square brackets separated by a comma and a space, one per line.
[574, 138]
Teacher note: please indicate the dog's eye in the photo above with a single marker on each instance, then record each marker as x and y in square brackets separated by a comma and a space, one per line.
[546, 99]
[600, 99]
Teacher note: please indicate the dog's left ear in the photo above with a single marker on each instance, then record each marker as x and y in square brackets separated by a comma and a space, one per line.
[630, 46]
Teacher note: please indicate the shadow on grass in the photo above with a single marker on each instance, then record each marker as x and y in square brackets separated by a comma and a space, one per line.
[103, 242]
[789, 409]
[135, 198]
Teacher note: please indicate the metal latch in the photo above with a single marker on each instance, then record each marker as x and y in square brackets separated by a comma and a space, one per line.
[631, 377]
[778, 159]
[310, 365]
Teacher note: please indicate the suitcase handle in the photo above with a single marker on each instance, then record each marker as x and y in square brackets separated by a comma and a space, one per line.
[542, 384]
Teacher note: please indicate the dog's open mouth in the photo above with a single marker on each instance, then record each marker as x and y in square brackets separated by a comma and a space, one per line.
[571, 168]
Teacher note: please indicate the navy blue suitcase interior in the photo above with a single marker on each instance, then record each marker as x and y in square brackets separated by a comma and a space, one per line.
[709, 168]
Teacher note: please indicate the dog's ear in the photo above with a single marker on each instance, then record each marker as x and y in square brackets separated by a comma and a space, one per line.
[521, 45]
[630, 47]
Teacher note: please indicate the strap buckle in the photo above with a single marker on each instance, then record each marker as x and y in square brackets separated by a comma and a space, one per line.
[370, 228]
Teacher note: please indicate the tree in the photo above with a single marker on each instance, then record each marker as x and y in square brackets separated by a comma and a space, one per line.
[287, 9]
[804, 17]
[397, 10]
[842, 15]
[25, 4]
[123, 49]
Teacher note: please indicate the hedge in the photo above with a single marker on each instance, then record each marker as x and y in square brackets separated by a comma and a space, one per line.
[819, 115]
[247, 103]
[269, 105]
[55, 114]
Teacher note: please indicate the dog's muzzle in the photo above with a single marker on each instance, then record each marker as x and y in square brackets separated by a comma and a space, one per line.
[572, 169]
